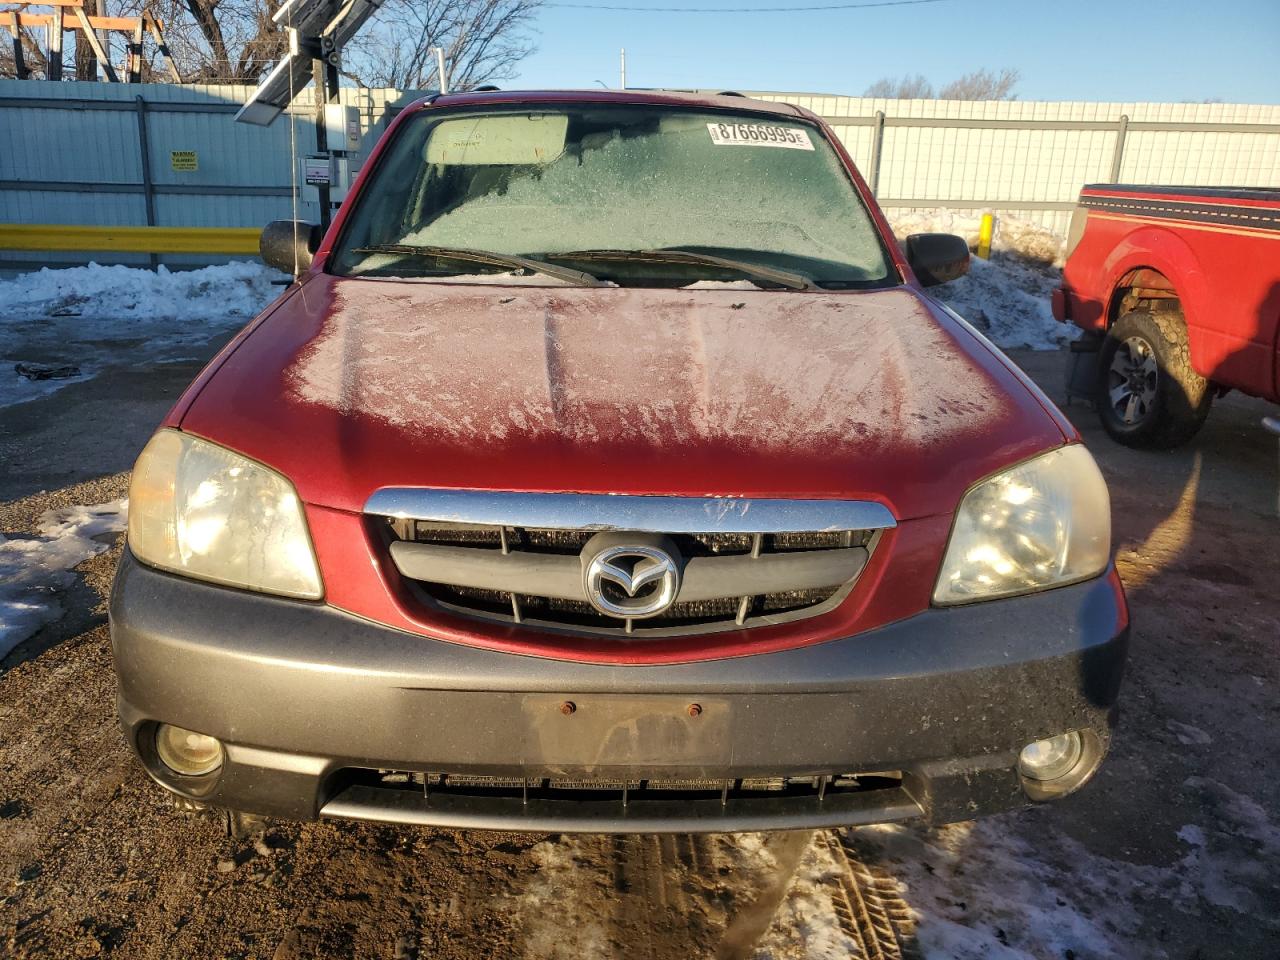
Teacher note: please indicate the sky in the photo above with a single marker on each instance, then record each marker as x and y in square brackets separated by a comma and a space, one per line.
[1120, 50]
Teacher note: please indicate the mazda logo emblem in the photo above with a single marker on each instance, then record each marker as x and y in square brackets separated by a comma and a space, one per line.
[631, 580]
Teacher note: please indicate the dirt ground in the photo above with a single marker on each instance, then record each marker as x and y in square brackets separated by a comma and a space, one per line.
[1174, 850]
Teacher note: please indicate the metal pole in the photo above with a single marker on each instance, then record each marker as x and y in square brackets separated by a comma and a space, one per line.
[144, 156]
[320, 71]
[1117, 158]
[440, 71]
[622, 68]
[877, 146]
[54, 72]
[985, 230]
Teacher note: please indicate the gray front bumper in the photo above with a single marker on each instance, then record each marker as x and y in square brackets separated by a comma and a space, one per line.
[300, 693]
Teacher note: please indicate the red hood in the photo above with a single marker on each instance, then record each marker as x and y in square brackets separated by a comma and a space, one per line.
[351, 385]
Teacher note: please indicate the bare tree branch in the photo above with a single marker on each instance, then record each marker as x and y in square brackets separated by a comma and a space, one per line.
[978, 85]
[907, 88]
[483, 41]
[982, 85]
[33, 54]
[236, 41]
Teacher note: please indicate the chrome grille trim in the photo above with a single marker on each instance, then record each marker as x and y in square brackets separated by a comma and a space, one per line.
[736, 563]
[641, 514]
[560, 577]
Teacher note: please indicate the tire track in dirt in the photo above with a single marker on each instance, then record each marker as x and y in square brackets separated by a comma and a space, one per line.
[645, 896]
[867, 899]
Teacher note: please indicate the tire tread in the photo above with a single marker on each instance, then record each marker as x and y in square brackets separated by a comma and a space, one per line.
[1181, 411]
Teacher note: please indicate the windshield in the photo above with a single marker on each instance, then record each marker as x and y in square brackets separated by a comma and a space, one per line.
[615, 192]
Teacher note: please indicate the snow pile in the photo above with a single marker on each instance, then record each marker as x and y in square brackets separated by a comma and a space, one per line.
[1012, 235]
[1008, 300]
[96, 317]
[112, 299]
[1006, 297]
[33, 570]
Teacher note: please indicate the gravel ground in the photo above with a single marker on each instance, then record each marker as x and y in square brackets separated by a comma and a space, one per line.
[1174, 850]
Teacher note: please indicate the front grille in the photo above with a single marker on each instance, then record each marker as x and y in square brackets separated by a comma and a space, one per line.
[623, 565]
[572, 541]
[497, 603]
[442, 784]
[727, 612]
[672, 804]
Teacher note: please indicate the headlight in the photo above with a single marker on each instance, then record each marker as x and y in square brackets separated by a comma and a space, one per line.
[202, 511]
[1040, 524]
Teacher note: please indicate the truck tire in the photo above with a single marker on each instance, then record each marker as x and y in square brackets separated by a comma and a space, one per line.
[1149, 396]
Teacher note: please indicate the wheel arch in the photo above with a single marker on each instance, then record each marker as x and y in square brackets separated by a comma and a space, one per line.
[1154, 399]
[1155, 264]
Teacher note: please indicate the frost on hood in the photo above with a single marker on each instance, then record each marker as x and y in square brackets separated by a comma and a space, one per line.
[644, 366]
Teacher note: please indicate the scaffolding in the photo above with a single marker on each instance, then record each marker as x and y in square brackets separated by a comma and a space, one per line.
[58, 17]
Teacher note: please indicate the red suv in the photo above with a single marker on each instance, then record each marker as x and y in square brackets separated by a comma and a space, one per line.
[609, 469]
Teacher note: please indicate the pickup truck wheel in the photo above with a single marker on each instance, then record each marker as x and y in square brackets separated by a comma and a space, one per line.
[1148, 394]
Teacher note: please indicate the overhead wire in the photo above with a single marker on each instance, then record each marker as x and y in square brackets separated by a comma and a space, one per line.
[293, 146]
[789, 9]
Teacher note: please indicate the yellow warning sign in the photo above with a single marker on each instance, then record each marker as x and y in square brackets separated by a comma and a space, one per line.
[183, 160]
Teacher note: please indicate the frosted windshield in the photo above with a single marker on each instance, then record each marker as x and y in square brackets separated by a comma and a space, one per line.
[760, 188]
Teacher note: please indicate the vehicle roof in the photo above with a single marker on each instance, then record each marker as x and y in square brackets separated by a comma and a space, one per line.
[681, 98]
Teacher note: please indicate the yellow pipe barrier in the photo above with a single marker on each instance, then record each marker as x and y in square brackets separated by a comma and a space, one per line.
[985, 231]
[42, 236]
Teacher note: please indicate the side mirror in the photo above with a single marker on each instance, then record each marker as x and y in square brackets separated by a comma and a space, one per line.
[289, 245]
[937, 257]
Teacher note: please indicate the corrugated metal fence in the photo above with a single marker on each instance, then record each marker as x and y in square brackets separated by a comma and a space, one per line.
[1032, 157]
[153, 154]
[99, 153]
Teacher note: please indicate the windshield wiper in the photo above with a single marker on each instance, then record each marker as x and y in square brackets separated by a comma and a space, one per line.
[487, 257]
[752, 271]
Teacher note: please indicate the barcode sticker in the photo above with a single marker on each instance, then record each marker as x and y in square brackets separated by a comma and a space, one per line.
[758, 135]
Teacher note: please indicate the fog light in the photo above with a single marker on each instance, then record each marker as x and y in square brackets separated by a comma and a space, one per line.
[186, 752]
[1052, 758]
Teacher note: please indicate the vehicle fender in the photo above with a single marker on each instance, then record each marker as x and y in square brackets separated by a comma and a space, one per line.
[179, 410]
[1162, 250]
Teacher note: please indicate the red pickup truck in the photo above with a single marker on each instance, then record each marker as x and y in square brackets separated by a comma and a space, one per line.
[1178, 292]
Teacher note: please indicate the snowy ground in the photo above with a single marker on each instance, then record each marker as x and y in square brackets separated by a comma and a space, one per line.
[93, 317]
[982, 892]
[1006, 297]
[35, 570]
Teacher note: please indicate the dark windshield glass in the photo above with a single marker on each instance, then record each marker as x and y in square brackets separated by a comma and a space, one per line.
[589, 180]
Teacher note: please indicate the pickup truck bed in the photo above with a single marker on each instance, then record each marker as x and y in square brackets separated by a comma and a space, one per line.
[1202, 266]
